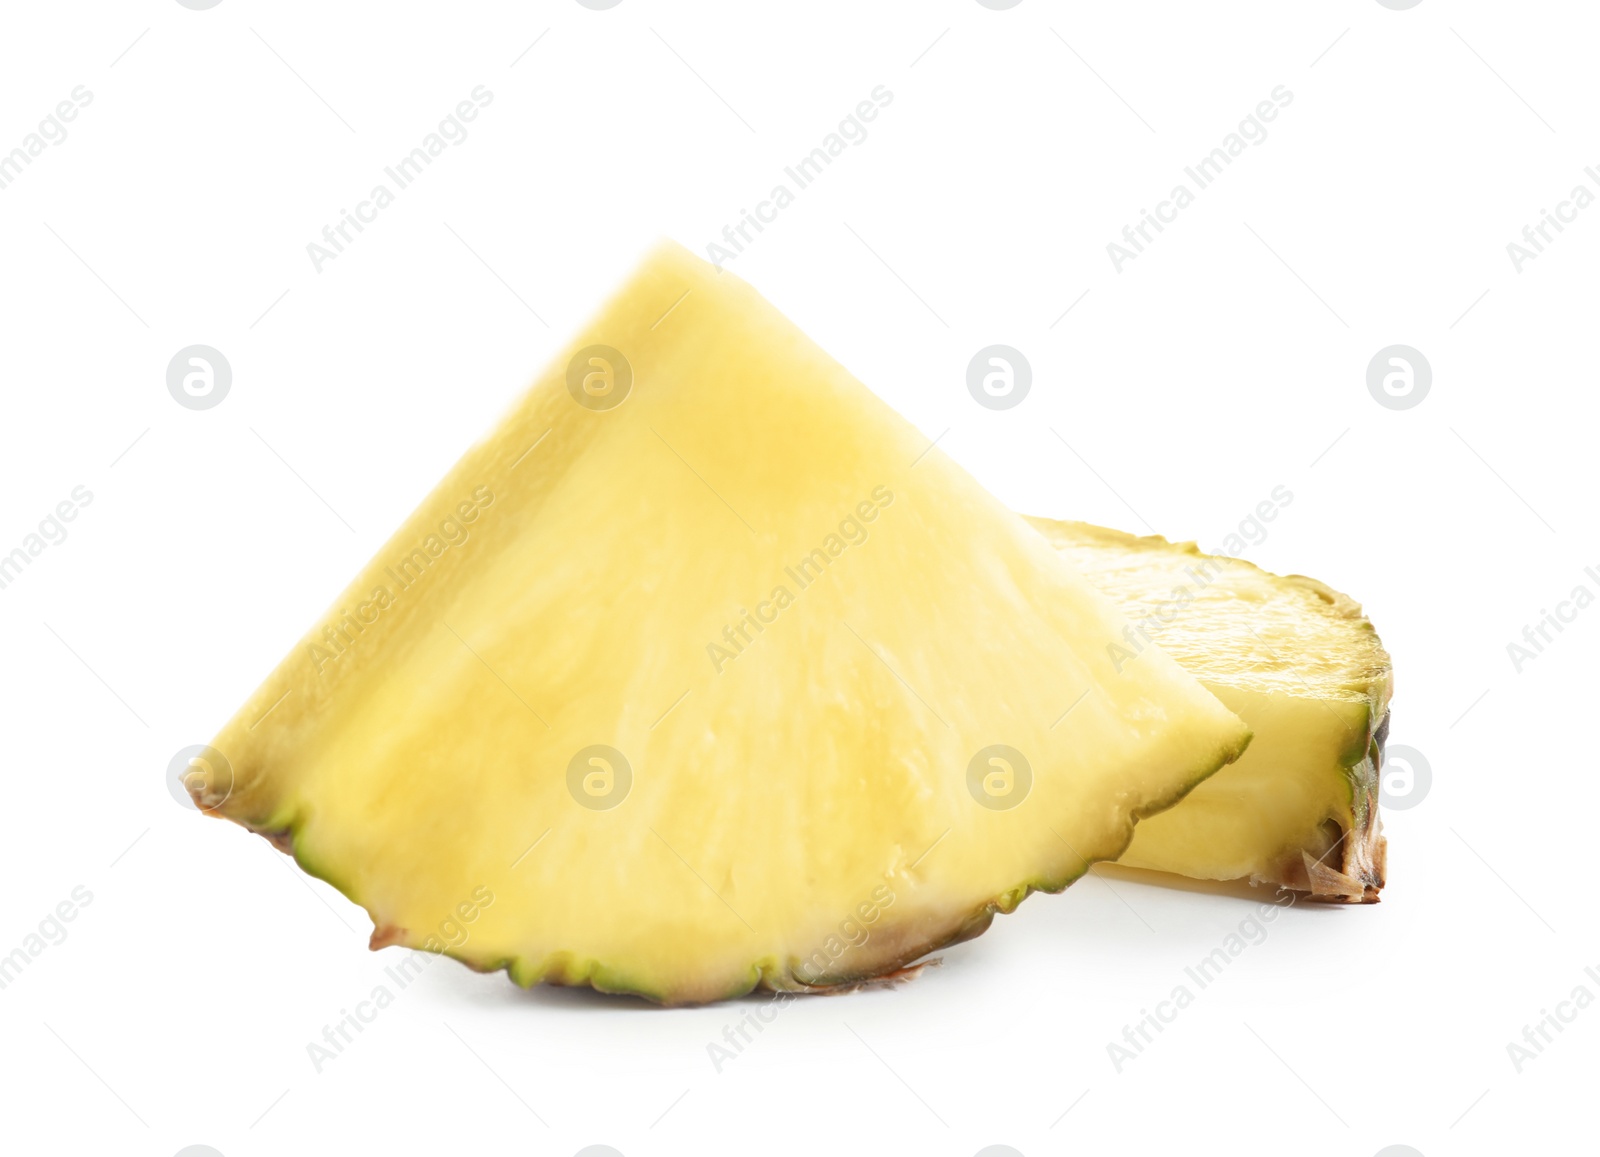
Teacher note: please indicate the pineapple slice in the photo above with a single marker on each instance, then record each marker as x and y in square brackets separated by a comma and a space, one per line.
[1303, 667]
[700, 675]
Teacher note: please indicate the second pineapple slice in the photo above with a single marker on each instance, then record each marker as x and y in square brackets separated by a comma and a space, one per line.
[700, 675]
[1303, 667]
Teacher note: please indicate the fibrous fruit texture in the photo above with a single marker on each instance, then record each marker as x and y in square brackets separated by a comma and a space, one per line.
[701, 674]
[1300, 664]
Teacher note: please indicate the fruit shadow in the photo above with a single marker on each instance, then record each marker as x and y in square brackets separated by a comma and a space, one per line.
[1241, 890]
[467, 986]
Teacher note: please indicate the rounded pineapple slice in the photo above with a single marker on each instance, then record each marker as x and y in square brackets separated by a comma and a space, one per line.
[1300, 664]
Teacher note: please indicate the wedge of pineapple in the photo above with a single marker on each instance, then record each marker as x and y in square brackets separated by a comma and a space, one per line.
[700, 675]
[1303, 667]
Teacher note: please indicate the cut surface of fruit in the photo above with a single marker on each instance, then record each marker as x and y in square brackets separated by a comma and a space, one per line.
[1302, 666]
[701, 674]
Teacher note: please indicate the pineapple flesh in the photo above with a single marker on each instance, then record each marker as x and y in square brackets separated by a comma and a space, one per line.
[1300, 664]
[700, 675]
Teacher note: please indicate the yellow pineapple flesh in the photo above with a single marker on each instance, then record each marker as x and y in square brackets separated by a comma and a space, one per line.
[700, 675]
[1299, 663]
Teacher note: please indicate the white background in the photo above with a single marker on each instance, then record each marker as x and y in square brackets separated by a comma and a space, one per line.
[1228, 359]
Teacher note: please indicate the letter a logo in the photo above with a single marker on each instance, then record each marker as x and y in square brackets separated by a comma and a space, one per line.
[599, 378]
